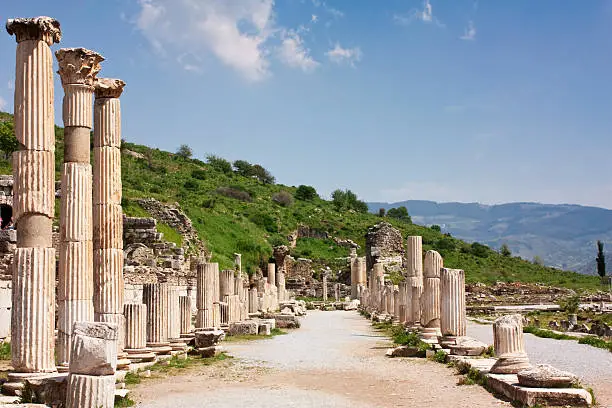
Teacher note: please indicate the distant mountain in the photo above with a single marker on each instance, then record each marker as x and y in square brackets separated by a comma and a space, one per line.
[563, 235]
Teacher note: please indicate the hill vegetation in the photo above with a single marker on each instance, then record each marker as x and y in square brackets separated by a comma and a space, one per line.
[237, 207]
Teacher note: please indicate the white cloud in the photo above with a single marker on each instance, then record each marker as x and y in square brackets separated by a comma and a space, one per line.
[293, 53]
[341, 55]
[425, 15]
[314, 18]
[470, 32]
[189, 62]
[236, 32]
[3, 103]
[11, 85]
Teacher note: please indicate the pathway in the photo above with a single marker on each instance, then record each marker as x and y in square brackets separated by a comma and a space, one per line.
[592, 365]
[334, 360]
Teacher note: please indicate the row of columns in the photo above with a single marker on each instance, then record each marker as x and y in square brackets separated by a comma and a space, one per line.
[83, 210]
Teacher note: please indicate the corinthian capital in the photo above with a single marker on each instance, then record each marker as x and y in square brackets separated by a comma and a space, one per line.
[78, 65]
[45, 29]
[108, 87]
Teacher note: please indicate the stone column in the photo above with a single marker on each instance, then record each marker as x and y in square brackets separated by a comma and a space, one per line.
[185, 306]
[272, 274]
[354, 277]
[337, 292]
[396, 304]
[107, 212]
[414, 262]
[156, 296]
[207, 293]
[226, 283]
[33, 286]
[136, 332]
[430, 300]
[403, 286]
[238, 264]
[93, 362]
[282, 291]
[78, 68]
[452, 305]
[509, 345]
[253, 302]
[174, 320]
[378, 276]
[324, 287]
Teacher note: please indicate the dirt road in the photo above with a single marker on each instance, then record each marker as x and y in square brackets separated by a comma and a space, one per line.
[334, 360]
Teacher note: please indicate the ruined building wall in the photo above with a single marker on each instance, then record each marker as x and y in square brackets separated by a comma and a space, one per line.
[384, 245]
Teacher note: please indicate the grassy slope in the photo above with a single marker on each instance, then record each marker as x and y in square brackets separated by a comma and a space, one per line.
[252, 228]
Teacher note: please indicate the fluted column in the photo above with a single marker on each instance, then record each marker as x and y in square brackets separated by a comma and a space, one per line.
[324, 287]
[272, 274]
[354, 277]
[337, 292]
[452, 305]
[207, 293]
[174, 313]
[414, 263]
[33, 294]
[253, 301]
[509, 345]
[78, 68]
[156, 297]
[282, 291]
[136, 326]
[185, 309]
[396, 303]
[238, 264]
[402, 302]
[90, 391]
[107, 212]
[226, 283]
[430, 300]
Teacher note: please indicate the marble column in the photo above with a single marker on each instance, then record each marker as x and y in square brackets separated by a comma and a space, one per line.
[452, 305]
[282, 291]
[207, 293]
[396, 304]
[354, 277]
[156, 297]
[135, 344]
[430, 299]
[107, 211]
[185, 306]
[414, 262]
[33, 286]
[272, 274]
[509, 345]
[337, 292]
[238, 264]
[78, 68]
[226, 283]
[403, 287]
[253, 301]
[378, 276]
[324, 283]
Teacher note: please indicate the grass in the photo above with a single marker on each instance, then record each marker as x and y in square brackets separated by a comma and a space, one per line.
[124, 402]
[590, 340]
[439, 357]
[596, 342]
[170, 234]
[249, 337]
[5, 351]
[252, 228]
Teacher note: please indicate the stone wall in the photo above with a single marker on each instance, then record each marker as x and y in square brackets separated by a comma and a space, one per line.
[384, 245]
[6, 189]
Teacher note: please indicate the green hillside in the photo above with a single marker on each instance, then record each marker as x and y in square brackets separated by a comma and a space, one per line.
[234, 213]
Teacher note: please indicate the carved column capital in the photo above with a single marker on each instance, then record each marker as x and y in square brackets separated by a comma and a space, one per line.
[108, 87]
[78, 65]
[42, 28]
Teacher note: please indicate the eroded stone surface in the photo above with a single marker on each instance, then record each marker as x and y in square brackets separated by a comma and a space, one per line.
[546, 376]
[94, 348]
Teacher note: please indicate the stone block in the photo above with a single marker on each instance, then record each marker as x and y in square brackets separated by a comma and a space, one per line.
[546, 376]
[402, 351]
[94, 348]
[243, 328]
[208, 338]
[87, 391]
[264, 329]
[49, 390]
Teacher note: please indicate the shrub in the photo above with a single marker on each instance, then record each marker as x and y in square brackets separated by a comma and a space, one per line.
[191, 185]
[381, 212]
[347, 200]
[400, 213]
[219, 164]
[283, 198]
[479, 250]
[244, 168]
[571, 304]
[262, 174]
[436, 228]
[264, 220]
[505, 251]
[306, 193]
[198, 174]
[184, 151]
[234, 193]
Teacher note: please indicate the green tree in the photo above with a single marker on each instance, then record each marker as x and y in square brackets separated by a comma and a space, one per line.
[538, 260]
[479, 250]
[184, 151]
[219, 164]
[244, 168]
[436, 227]
[263, 175]
[504, 250]
[601, 259]
[306, 193]
[8, 141]
[400, 213]
[347, 200]
[381, 212]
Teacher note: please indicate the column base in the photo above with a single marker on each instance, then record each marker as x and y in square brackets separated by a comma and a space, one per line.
[511, 363]
[160, 348]
[430, 334]
[16, 381]
[447, 341]
[90, 391]
[140, 355]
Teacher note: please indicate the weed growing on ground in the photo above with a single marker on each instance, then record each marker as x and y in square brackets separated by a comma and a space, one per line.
[249, 337]
[5, 351]
[596, 342]
[124, 402]
[439, 357]
[489, 352]
[131, 379]
[547, 334]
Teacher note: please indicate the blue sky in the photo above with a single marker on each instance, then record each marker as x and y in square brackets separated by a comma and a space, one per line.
[450, 101]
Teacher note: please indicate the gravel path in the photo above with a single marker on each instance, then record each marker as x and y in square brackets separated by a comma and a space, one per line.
[592, 365]
[334, 360]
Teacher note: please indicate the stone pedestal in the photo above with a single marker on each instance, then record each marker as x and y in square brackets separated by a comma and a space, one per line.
[156, 297]
[207, 294]
[452, 305]
[509, 345]
[33, 294]
[430, 299]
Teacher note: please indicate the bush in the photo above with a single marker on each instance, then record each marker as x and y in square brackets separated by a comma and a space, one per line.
[505, 251]
[264, 220]
[283, 198]
[400, 213]
[184, 151]
[219, 164]
[381, 212]
[571, 304]
[244, 168]
[306, 193]
[234, 193]
[436, 228]
[262, 174]
[479, 250]
[191, 185]
[198, 174]
[347, 200]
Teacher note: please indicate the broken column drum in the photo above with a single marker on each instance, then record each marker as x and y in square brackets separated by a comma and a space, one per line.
[253, 301]
[135, 326]
[33, 286]
[107, 211]
[207, 294]
[156, 296]
[509, 345]
[452, 304]
[226, 284]
[185, 312]
[430, 299]
[414, 262]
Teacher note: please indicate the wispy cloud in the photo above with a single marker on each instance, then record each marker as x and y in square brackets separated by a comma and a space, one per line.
[341, 55]
[3, 103]
[11, 85]
[425, 14]
[190, 62]
[314, 18]
[293, 53]
[470, 32]
[331, 10]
